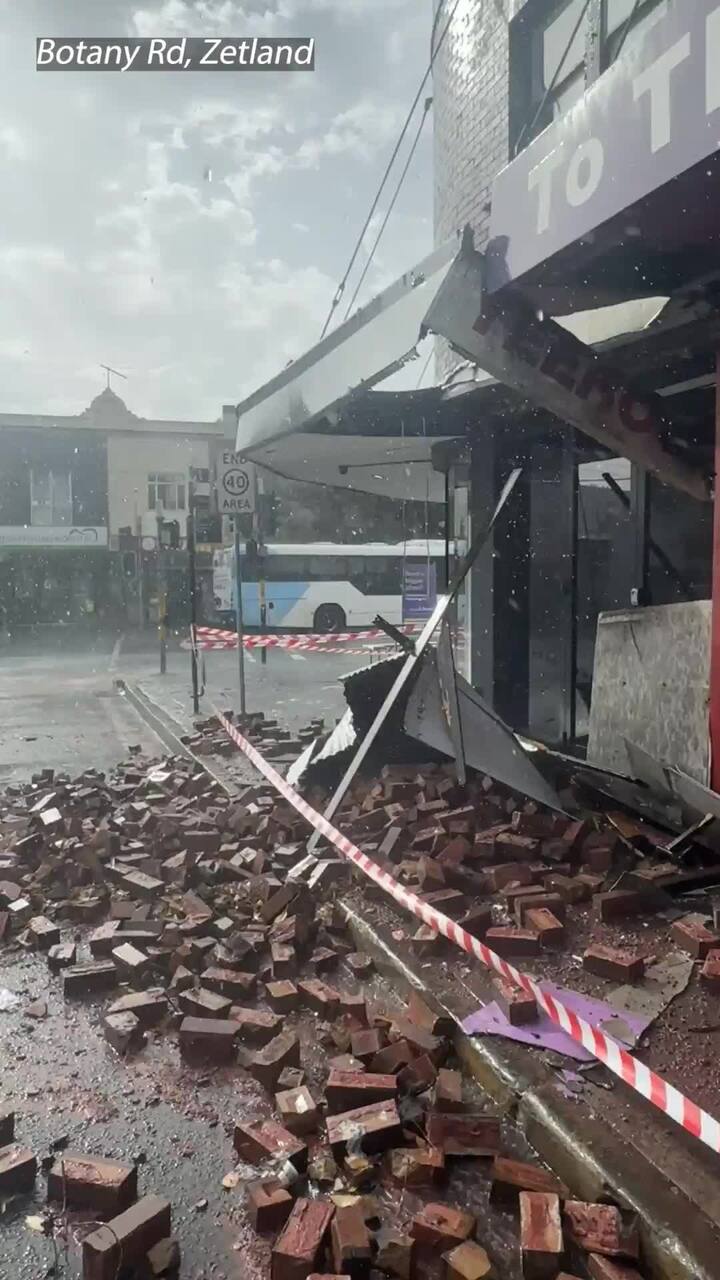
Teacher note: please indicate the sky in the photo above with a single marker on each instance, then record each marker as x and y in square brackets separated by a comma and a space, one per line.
[190, 230]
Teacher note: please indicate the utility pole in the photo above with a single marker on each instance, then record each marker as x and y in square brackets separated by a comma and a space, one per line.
[193, 597]
[239, 617]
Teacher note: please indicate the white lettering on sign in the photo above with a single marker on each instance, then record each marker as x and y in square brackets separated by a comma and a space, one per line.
[235, 484]
[542, 177]
[712, 62]
[585, 171]
[656, 81]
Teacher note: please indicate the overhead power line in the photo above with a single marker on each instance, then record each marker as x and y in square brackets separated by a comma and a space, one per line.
[388, 169]
[391, 206]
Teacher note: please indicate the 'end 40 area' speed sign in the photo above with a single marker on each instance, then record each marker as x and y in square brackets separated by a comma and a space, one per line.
[235, 484]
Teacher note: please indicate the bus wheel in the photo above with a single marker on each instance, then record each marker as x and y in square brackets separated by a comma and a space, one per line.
[329, 617]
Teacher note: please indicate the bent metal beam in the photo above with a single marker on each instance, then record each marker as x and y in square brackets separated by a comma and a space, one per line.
[540, 359]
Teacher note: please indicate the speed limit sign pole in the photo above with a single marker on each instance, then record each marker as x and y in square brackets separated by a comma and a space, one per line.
[235, 491]
[239, 618]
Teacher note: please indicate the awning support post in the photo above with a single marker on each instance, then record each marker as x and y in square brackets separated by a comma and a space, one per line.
[714, 706]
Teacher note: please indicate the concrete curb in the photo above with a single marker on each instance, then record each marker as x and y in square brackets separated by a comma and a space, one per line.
[607, 1145]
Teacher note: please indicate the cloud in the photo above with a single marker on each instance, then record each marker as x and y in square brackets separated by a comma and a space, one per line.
[227, 18]
[361, 132]
[13, 143]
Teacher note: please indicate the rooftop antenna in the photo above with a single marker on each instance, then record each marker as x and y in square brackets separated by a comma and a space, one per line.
[109, 371]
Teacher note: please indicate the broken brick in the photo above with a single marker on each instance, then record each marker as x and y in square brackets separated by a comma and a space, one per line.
[418, 1075]
[268, 1140]
[18, 1168]
[616, 963]
[549, 929]
[392, 1059]
[693, 935]
[61, 956]
[347, 1089]
[7, 1127]
[282, 997]
[284, 961]
[376, 1126]
[465, 1134]
[417, 1166]
[506, 940]
[229, 982]
[710, 972]
[442, 1226]
[132, 963]
[360, 964]
[394, 1253]
[519, 1006]
[553, 902]
[104, 938]
[149, 1007]
[468, 1261]
[298, 1247]
[86, 979]
[367, 1043]
[207, 1039]
[43, 933]
[447, 1091]
[541, 1237]
[298, 1110]
[254, 1025]
[79, 1181]
[600, 1228]
[204, 1004]
[267, 1063]
[318, 996]
[619, 903]
[123, 1031]
[350, 1242]
[421, 1015]
[420, 1041]
[269, 1205]
[510, 1177]
[355, 1007]
[127, 1238]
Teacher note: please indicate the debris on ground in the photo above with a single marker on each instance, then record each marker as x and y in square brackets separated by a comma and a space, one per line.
[199, 916]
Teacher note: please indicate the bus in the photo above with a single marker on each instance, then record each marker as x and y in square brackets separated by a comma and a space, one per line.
[326, 586]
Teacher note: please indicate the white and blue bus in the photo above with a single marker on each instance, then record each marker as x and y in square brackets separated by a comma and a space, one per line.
[326, 586]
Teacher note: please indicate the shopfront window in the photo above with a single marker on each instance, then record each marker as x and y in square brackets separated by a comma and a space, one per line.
[50, 497]
[167, 490]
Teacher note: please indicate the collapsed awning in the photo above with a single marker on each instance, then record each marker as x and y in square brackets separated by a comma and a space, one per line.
[285, 424]
[320, 421]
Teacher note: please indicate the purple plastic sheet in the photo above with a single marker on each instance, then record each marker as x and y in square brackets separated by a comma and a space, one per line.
[626, 1028]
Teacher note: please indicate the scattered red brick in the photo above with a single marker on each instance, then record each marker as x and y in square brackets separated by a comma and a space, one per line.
[541, 1237]
[298, 1246]
[510, 1177]
[18, 1168]
[692, 934]
[350, 1242]
[89, 1182]
[600, 1228]
[269, 1205]
[127, 1237]
[268, 1140]
[464, 1134]
[615, 963]
[441, 1226]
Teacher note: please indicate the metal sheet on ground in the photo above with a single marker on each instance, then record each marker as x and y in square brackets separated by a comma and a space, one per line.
[490, 746]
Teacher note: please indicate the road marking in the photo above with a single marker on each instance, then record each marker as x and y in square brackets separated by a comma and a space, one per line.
[297, 657]
[115, 655]
[250, 657]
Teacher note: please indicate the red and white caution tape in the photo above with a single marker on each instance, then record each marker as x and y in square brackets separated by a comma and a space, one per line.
[222, 639]
[662, 1095]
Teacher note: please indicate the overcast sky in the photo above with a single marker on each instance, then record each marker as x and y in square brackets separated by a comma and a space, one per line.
[116, 247]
